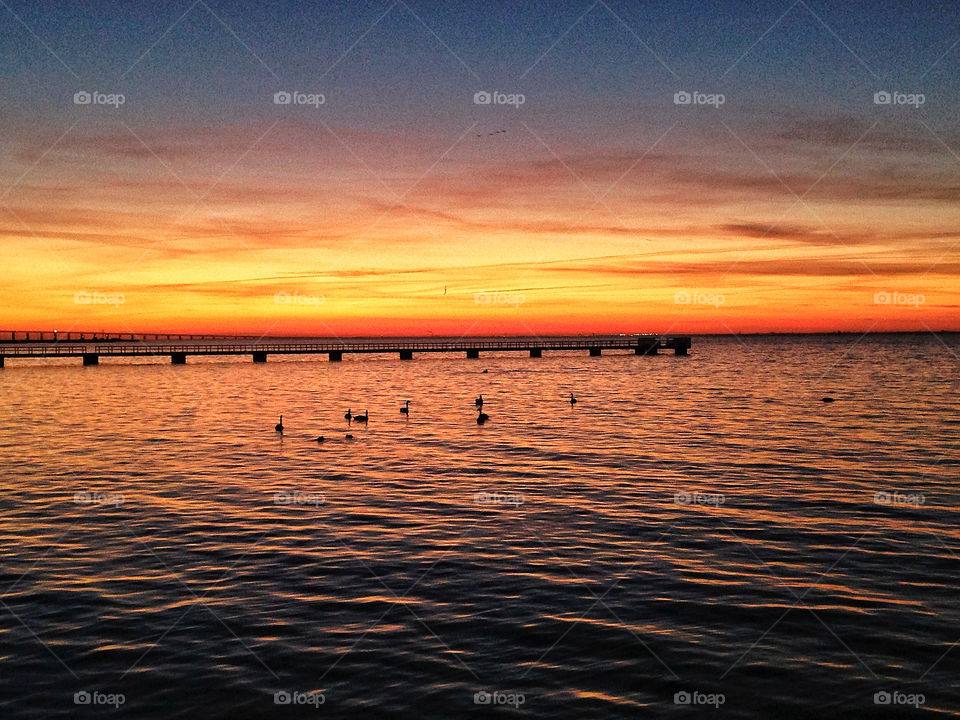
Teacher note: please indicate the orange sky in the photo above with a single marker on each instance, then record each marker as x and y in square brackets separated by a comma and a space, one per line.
[304, 236]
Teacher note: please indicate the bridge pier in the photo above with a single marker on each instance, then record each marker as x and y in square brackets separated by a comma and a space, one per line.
[536, 352]
[91, 359]
[1, 361]
[259, 357]
[406, 354]
[681, 345]
[473, 354]
[651, 347]
[178, 359]
[335, 356]
[594, 352]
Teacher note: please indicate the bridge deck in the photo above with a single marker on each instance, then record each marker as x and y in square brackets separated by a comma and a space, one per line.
[642, 344]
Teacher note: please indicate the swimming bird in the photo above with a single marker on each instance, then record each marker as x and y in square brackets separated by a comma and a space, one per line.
[406, 408]
[320, 439]
[573, 400]
[279, 426]
[347, 415]
[348, 436]
[485, 371]
[482, 417]
[479, 401]
[362, 418]
[827, 399]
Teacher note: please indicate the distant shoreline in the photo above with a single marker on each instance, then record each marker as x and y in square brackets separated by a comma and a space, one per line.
[19, 336]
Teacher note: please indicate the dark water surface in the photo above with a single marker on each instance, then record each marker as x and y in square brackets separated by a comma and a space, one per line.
[702, 525]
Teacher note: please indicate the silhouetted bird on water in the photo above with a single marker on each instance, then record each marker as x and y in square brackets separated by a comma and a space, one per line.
[279, 426]
[348, 436]
[362, 418]
[406, 408]
[320, 439]
[479, 402]
[347, 415]
[482, 417]
[827, 399]
[573, 400]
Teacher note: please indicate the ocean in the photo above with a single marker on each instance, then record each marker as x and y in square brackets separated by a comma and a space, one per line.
[696, 536]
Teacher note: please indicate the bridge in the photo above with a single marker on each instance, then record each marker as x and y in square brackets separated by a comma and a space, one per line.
[91, 353]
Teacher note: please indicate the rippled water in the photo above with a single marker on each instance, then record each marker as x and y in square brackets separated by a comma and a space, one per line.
[703, 525]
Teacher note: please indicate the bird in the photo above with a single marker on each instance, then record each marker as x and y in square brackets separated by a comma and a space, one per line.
[347, 415]
[406, 408]
[348, 436]
[479, 401]
[485, 371]
[320, 439]
[482, 417]
[827, 399]
[573, 400]
[279, 426]
[362, 418]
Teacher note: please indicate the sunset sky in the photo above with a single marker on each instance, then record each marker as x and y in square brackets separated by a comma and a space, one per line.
[401, 205]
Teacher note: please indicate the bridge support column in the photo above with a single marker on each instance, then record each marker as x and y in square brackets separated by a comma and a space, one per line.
[1, 361]
[91, 359]
[335, 356]
[259, 357]
[473, 354]
[648, 347]
[536, 352]
[406, 354]
[178, 359]
[594, 352]
[681, 345]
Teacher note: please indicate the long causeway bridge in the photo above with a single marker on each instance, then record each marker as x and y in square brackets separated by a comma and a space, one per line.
[91, 352]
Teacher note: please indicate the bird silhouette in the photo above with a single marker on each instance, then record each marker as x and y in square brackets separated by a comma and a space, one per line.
[362, 418]
[279, 426]
[406, 408]
[482, 417]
